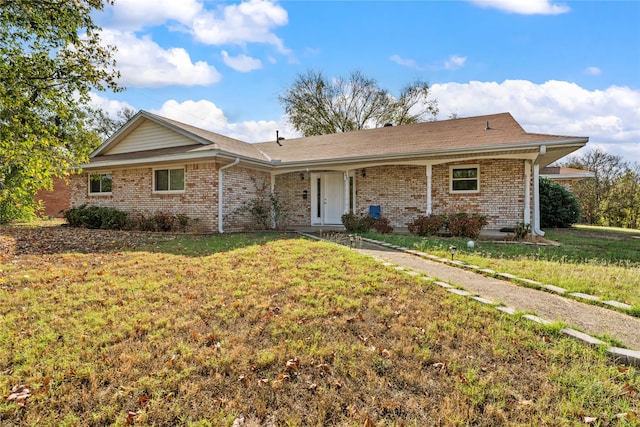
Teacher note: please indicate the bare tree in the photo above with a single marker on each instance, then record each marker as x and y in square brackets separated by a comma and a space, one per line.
[104, 125]
[317, 105]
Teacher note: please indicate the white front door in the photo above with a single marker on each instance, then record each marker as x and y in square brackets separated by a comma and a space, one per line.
[327, 198]
[334, 198]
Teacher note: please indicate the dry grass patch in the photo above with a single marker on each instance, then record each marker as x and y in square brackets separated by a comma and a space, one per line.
[600, 261]
[288, 332]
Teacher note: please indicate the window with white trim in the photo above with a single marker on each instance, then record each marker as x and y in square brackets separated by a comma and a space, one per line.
[100, 183]
[168, 180]
[464, 178]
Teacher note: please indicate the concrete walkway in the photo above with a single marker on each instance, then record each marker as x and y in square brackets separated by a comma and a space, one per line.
[588, 318]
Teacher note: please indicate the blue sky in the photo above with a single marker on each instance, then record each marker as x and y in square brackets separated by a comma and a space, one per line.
[569, 68]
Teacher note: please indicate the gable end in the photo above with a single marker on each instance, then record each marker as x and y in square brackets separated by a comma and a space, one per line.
[150, 136]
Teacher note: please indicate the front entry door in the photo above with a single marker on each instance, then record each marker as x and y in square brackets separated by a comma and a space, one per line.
[334, 198]
[327, 198]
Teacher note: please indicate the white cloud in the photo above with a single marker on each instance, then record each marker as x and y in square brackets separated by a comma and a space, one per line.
[454, 62]
[610, 117]
[525, 7]
[593, 71]
[109, 106]
[404, 62]
[250, 21]
[207, 115]
[242, 62]
[134, 15]
[247, 22]
[143, 63]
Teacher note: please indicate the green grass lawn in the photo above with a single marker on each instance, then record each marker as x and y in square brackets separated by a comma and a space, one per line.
[139, 329]
[595, 260]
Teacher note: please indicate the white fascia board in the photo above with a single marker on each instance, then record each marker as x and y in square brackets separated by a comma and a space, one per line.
[467, 153]
[172, 158]
[568, 176]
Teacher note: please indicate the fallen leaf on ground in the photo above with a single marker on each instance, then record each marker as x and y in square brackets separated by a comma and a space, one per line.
[19, 393]
[131, 417]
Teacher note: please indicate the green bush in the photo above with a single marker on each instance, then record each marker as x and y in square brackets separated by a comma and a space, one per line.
[113, 219]
[160, 221]
[559, 208]
[428, 225]
[96, 217]
[461, 224]
[357, 224]
[466, 225]
[521, 230]
[383, 226]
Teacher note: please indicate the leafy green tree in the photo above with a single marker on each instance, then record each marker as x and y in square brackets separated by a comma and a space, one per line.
[622, 206]
[612, 197]
[317, 105]
[51, 58]
[558, 206]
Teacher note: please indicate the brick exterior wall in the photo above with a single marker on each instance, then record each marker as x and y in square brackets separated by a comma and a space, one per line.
[132, 193]
[399, 190]
[242, 186]
[566, 183]
[57, 200]
[290, 189]
[501, 195]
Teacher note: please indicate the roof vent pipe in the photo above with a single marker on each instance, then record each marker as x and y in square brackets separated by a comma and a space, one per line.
[487, 126]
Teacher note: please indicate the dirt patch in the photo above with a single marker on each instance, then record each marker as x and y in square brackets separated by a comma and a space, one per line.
[16, 240]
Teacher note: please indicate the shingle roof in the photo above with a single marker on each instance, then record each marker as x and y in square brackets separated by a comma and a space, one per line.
[426, 138]
[497, 132]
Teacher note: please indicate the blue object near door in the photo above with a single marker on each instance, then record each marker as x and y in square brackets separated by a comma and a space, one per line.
[374, 211]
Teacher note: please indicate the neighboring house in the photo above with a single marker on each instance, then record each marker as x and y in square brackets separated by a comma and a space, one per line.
[54, 201]
[487, 165]
[565, 176]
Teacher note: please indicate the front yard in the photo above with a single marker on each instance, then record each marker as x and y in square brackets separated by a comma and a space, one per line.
[599, 261]
[117, 328]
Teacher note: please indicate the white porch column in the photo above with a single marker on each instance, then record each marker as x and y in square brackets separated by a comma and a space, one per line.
[429, 175]
[526, 217]
[536, 201]
[346, 192]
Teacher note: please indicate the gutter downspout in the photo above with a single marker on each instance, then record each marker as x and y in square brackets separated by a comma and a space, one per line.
[429, 176]
[220, 198]
[536, 193]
